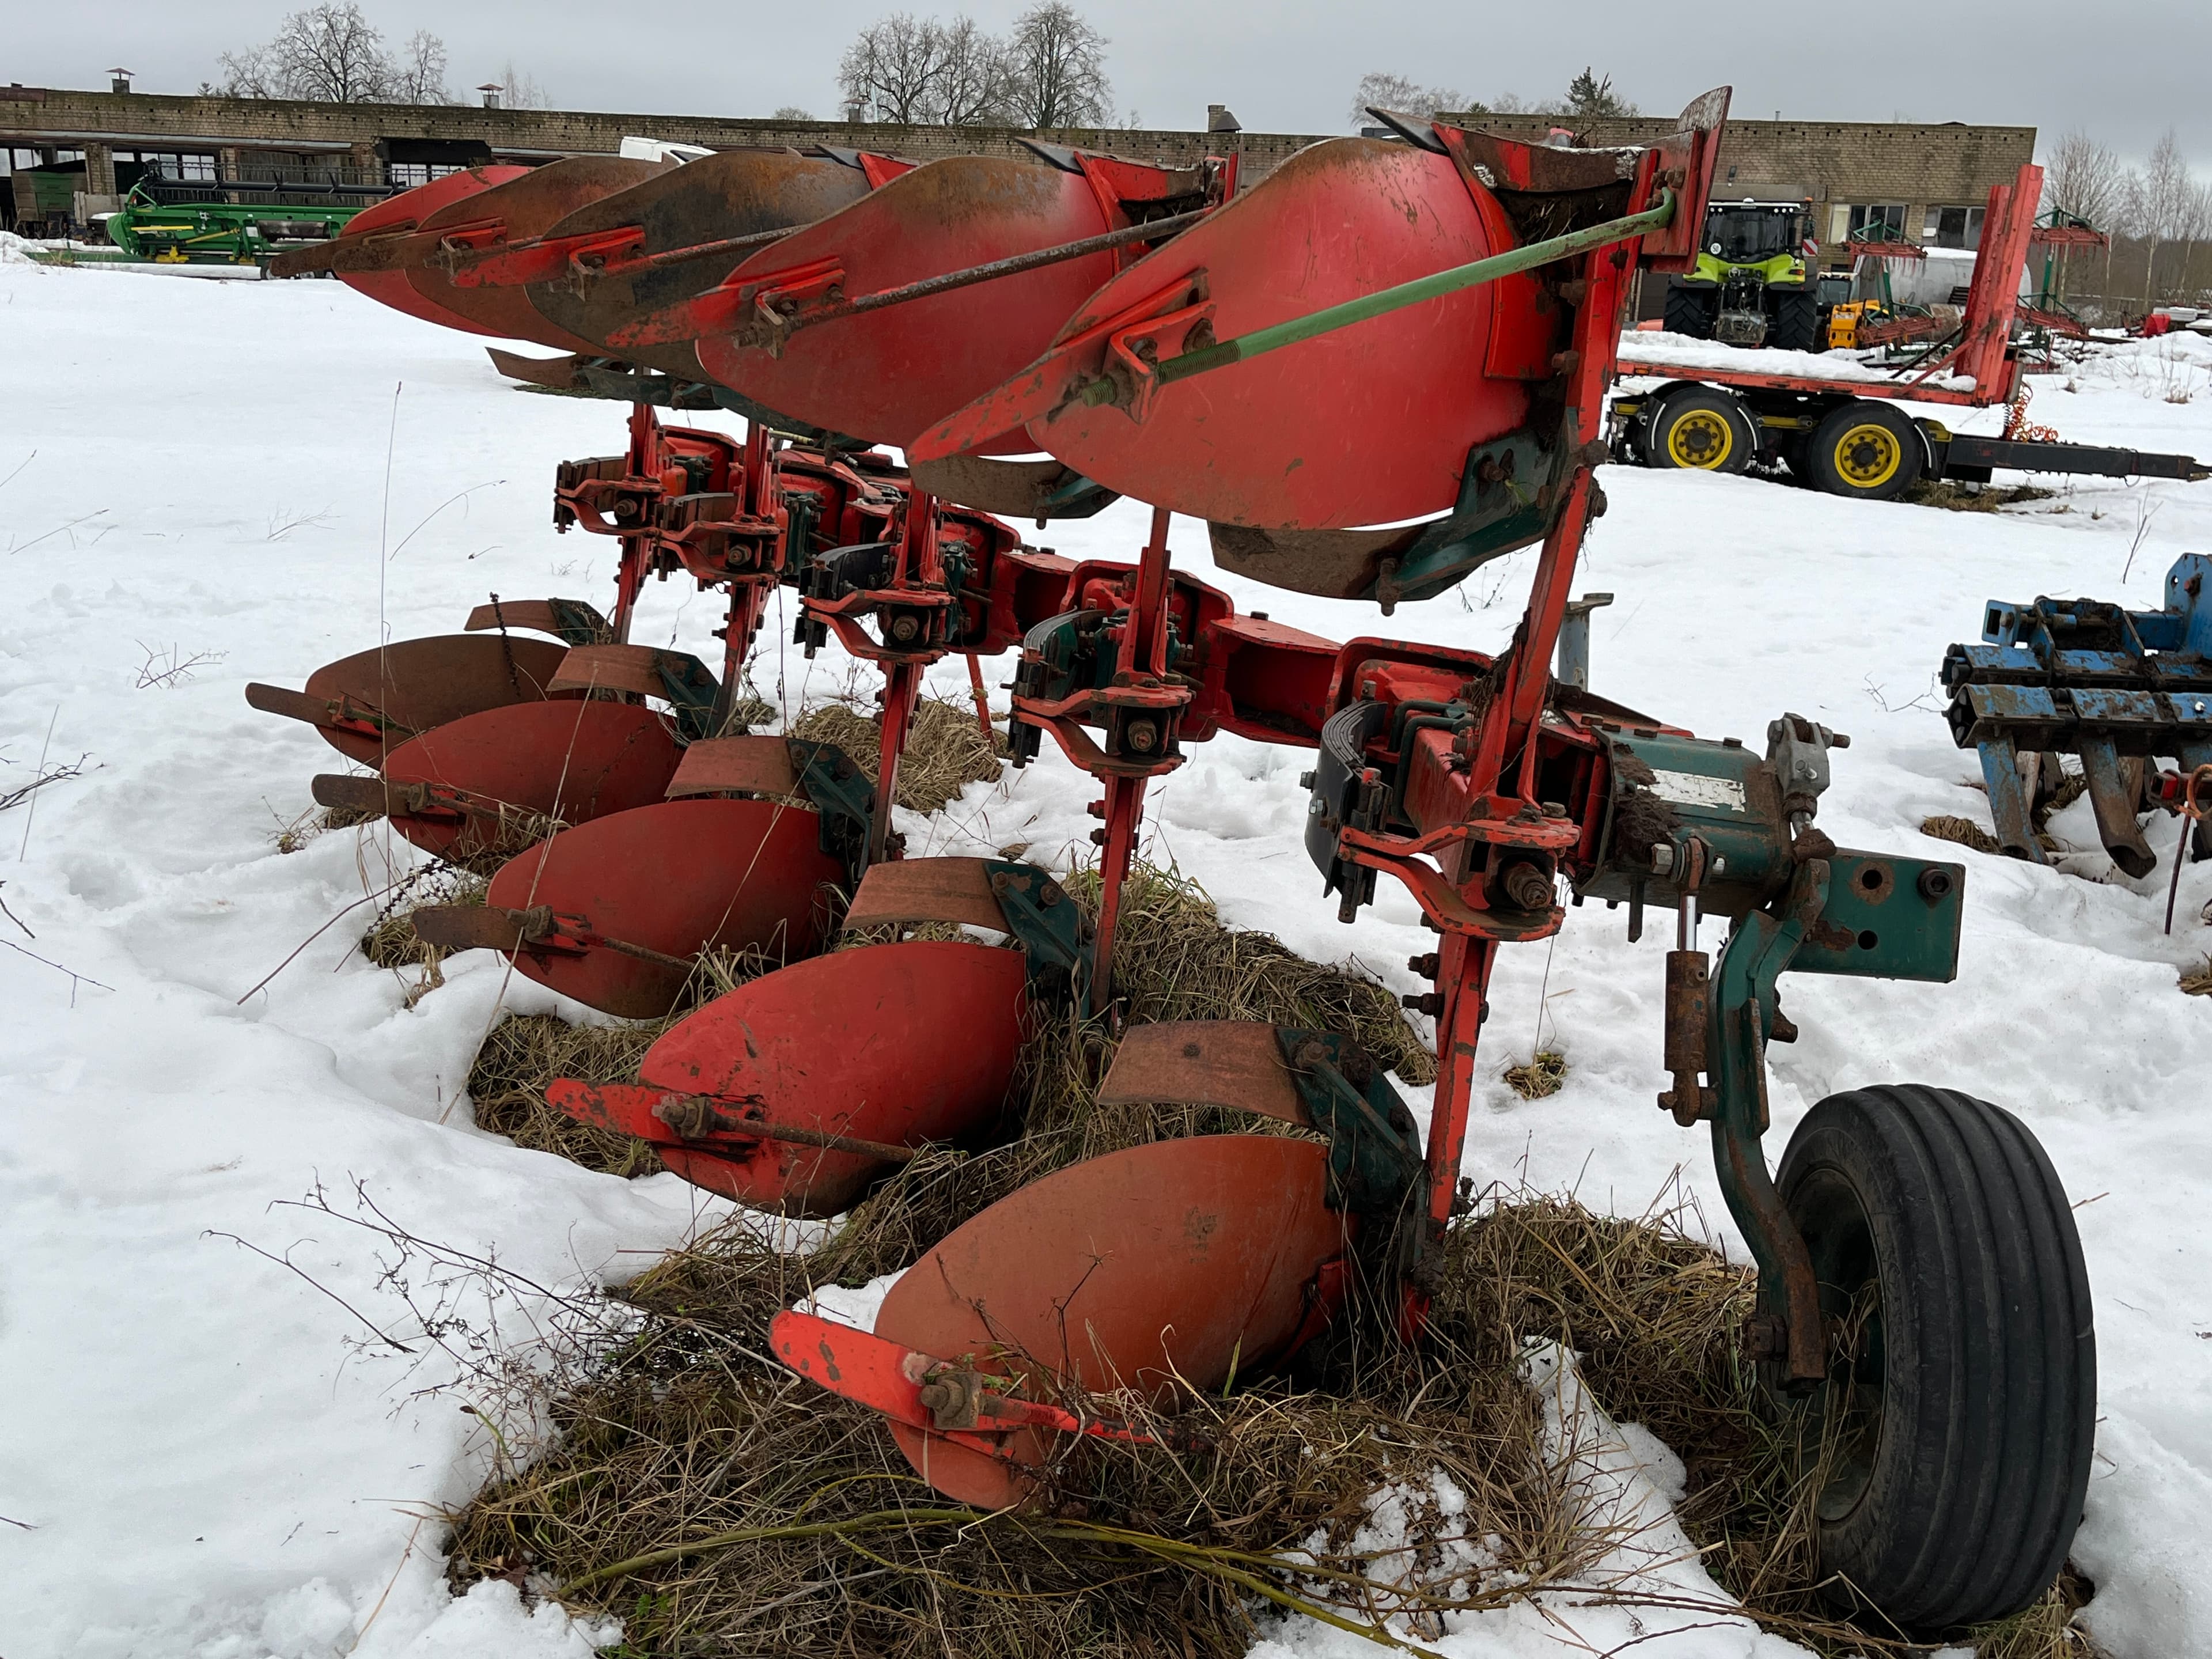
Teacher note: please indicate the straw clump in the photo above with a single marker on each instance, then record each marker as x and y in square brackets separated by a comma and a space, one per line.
[945, 751]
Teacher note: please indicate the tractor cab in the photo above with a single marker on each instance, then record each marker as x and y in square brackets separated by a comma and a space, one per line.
[1749, 285]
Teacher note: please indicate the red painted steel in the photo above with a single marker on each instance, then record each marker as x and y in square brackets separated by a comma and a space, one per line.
[405, 212]
[886, 375]
[417, 684]
[1181, 1259]
[526, 207]
[573, 761]
[901, 1043]
[677, 878]
[1367, 425]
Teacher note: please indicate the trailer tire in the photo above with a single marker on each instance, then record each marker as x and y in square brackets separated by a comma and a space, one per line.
[1697, 426]
[1689, 308]
[1949, 1263]
[1868, 451]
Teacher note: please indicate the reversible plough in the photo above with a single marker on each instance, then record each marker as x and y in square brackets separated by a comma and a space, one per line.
[1417, 332]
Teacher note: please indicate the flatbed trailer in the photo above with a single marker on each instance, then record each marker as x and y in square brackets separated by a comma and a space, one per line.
[1845, 432]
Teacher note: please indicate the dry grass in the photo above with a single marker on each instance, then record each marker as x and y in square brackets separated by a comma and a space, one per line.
[1971, 497]
[2197, 981]
[317, 821]
[946, 751]
[1948, 826]
[1546, 1074]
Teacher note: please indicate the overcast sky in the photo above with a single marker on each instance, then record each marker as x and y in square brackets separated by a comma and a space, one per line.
[2124, 69]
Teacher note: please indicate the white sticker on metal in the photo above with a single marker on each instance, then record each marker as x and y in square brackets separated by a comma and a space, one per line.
[1697, 789]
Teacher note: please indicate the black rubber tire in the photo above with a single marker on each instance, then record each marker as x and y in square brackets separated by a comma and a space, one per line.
[1793, 318]
[1867, 450]
[1689, 308]
[1959, 1505]
[1700, 427]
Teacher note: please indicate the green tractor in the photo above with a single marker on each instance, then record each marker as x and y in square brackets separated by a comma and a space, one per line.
[1750, 285]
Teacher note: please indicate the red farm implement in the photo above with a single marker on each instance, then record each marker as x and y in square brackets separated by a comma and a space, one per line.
[1416, 333]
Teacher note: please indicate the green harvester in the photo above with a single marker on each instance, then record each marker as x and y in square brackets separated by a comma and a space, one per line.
[226, 233]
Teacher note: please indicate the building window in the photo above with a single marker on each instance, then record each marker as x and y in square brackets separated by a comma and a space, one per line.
[1882, 223]
[411, 173]
[185, 167]
[1952, 226]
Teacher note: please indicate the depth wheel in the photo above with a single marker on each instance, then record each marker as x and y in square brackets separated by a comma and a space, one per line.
[1695, 426]
[1866, 450]
[1955, 1427]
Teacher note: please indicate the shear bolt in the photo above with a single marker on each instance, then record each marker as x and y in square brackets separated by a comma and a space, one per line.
[1431, 1003]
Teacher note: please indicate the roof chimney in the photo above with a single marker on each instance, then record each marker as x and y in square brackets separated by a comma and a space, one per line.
[1219, 119]
[118, 80]
[491, 90]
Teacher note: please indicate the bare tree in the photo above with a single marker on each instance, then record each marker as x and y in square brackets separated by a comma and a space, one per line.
[419, 71]
[790, 112]
[1404, 95]
[333, 54]
[2083, 180]
[971, 76]
[2163, 200]
[1055, 70]
[890, 72]
[519, 89]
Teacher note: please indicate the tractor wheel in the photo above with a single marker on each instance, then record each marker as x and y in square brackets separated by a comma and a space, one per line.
[1690, 310]
[1696, 426]
[1954, 1428]
[1793, 318]
[1867, 450]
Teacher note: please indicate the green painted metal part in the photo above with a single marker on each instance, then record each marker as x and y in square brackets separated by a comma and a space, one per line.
[211, 231]
[1856, 913]
[841, 792]
[1374, 1145]
[690, 687]
[1044, 921]
[1382, 302]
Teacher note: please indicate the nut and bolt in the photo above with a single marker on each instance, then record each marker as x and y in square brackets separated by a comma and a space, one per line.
[1427, 967]
[1431, 1003]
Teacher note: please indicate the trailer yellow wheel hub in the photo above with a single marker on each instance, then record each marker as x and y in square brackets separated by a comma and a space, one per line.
[1868, 456]
[1700, 437]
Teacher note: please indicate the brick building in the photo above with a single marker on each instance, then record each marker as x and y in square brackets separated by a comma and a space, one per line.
[1926, 183]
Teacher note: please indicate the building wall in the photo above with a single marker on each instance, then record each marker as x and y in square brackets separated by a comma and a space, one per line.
[1837, 165]
[1833, 164]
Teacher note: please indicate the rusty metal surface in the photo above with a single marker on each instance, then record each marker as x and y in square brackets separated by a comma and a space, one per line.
[524, 207]
[1332, 564]
[901, 1043]
[1181, 1259]
[405, 212]
[886, 375]
[1237, 1063]
[926, 889]
[556, 374]
[533, 765]
[748, 766]
[636, 669]
[413, 685]
[675, 878]
[1014, 489]
[735, 193]
[1361, 426]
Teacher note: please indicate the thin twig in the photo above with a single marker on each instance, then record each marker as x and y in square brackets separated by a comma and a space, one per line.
[38, 776]
[285, 1261]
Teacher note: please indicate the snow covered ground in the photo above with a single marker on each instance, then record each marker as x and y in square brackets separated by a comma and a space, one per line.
[194, 1461]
